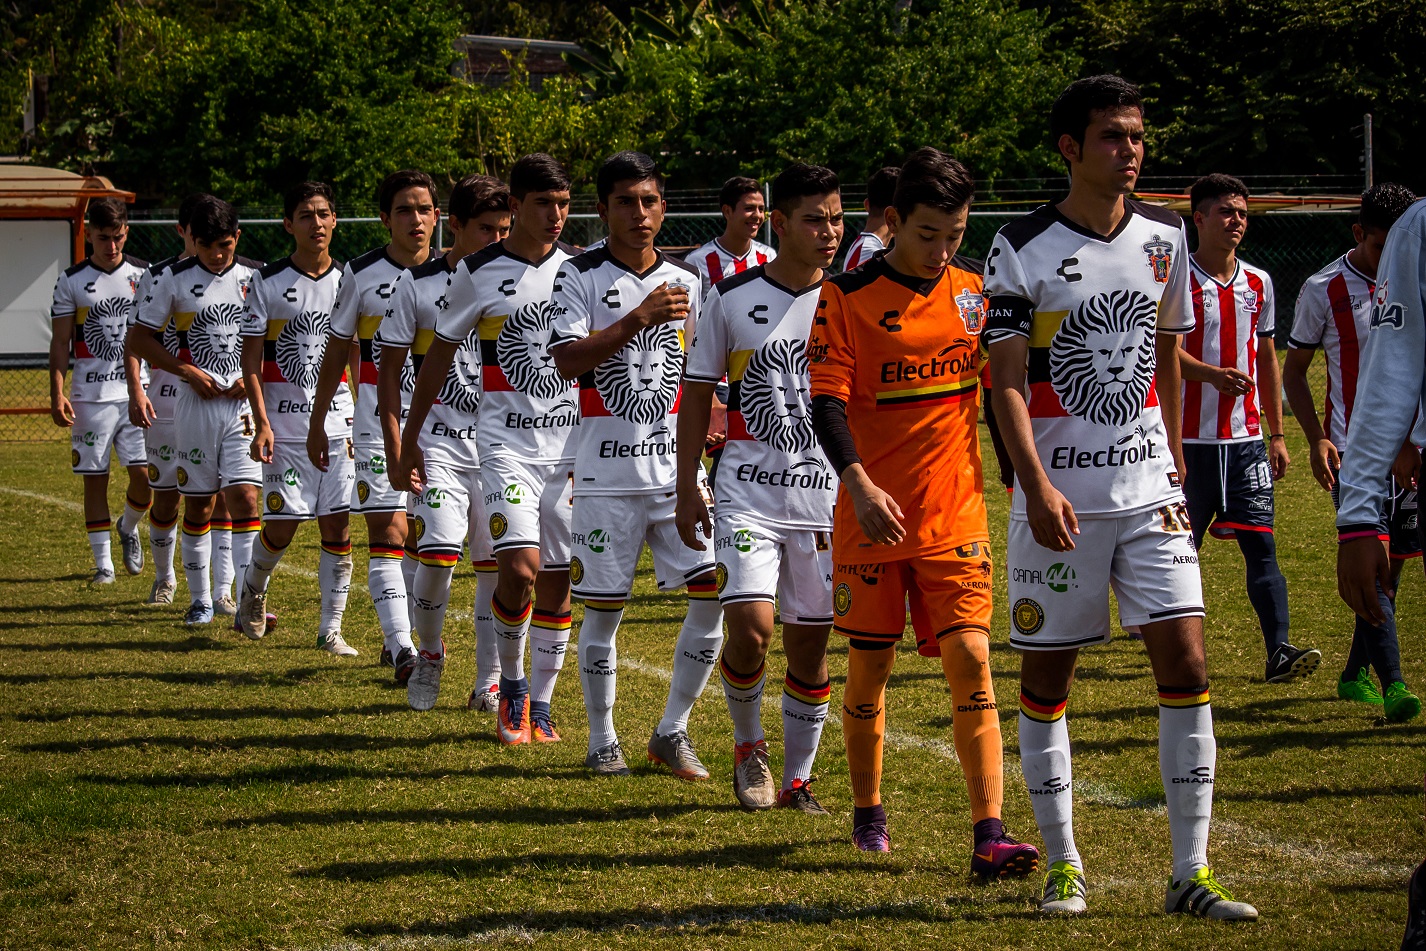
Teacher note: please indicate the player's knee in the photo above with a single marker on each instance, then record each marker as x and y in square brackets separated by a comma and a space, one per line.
[966, 655]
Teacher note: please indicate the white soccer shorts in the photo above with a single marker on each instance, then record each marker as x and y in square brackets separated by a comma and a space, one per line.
[789, 565]
[529, 506]
[98, 427]
[450, 510]
[1060, 599]
[608, 534]
[214, 438]
[162, 446]
[372, 491]
[295, 489]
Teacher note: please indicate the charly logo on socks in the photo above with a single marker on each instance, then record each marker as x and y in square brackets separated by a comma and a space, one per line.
[1049, 787]
[1199, 775]
[979, 700]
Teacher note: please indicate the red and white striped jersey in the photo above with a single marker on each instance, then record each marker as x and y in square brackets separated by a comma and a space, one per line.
[1333, 312]
[715, 262]
[1229, 319]
[863, 247]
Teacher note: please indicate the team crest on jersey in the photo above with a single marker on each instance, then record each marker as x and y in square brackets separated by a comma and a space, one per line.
[775, 402]
[720, 576]
[1160, 254]
[1029, 616]
[499, 525]
[274, 502]
[842, 599]
[1250, 300]
[972, 308]
[576, 570]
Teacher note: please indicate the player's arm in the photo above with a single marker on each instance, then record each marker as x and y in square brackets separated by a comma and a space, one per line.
[410, 465]
[141, 412]
[1322, 453]
[664, 305]
[388, 396]
[61, 332]
[143, 339]
[1227, 380]
[1169, 386]
[336, 356]
[1270, 403]
[261, 449]
[695, 408]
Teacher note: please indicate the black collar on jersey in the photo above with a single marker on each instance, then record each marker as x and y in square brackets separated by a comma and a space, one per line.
[752, 249]
[762, 270]
[231, 264]
[1237, 269]
[123, 259]
[1347, 260]
[523, 260]
[658, 262]
[278, 266]
[1060, 218]
[921, 285]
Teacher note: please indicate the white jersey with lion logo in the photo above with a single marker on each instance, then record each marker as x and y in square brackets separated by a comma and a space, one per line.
[101, 304]
[207, 311]
[1091, 306]
[629, 403]
[754, 331]
[292, 311]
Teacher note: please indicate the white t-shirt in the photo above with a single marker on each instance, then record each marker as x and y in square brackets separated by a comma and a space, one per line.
[101, 303]
[1091, 306]
[207, 311]
[755, 331]
[626, 439]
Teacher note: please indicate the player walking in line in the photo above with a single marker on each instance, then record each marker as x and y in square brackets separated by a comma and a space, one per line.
[1087, 300]
[621, 316]
[740, 201]
[447, 496]
[1232, 384]
[407, 200]
[93, 304]
[285, 331]
[205, 297]
[880, 191]
[774, 504]
[895, 360]
[1334, 311]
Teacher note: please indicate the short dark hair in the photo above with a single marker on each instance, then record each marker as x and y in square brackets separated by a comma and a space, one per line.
[400, 181]
[108, 213]
[800, 180]
[537, 172]
[626, 167]
[1216, 185]
[735, 188]
[213, 220]
[932, 178]
[1075, 108]
[1383, 204]
[881, 187]
[185, 207]
[474, 195]
[297, 194]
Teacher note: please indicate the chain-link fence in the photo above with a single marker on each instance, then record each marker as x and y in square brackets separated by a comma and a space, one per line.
[1290, 246]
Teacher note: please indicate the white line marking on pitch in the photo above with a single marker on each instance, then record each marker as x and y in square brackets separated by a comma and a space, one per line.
[47, 499]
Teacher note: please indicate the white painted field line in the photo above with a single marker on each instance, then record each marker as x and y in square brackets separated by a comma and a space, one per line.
[69, 504]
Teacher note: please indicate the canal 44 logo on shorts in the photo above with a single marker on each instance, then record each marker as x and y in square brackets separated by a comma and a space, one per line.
[596, 540]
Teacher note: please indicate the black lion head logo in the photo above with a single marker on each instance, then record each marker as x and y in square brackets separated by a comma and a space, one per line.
[774, 399]
[105, 327]
[300, 346]
[640, 382]
[524, 354]
[408, 369]
[213, 339]
[1102, 358]
[461, 391]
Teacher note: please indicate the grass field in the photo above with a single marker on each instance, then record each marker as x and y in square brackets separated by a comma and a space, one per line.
[163, 788]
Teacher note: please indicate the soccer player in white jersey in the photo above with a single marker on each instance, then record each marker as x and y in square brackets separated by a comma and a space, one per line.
[205, 297]
[1090, 295]
[773, 525]
[740, 201]
[621, 316]
[284, 334]
[1333, 314]
[93, 303]
[446, 500]
[499, 302]
[880, 191]
[1231, 387]
[407, 200]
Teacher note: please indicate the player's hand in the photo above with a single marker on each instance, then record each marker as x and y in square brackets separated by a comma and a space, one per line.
[1052, 519]
[318, 447]
[1362, 565]
[664, 305]
[62, 412]
[141, 411]
[691, 515]
[717, 425]
[1278, 458]
[238, 391]
[1407, 467]
[201, 382]
[261, 450]
[412, 466]
[1325, 463]
[1231, 381]
[877, 512]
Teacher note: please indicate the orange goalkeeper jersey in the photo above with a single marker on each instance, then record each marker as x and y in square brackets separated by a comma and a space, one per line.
[903, 354]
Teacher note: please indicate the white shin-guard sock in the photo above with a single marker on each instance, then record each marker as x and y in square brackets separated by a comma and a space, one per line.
[804, 713]
[102, 547]
[244, 538]
[129, 521]
[409, 566]
[598, 666]
[509, 629]
[260, 568]
[388, 596]
[1045, 762]
[431, 594]
[744, 693]
[334, 569]
[161, 549]
[487, 651]
[549, 640]
[223, 572]
[694, 654]
[197, 553]
[1188, 754]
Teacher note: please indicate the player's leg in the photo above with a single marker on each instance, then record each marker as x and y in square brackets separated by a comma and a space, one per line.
[91, 438]
[129, 445]
[1398, 702]
[805, 606]
[386, 540]
[197, 547]
[439, 524]
[223, 571]
[334, 564]
[278, 530]
[482, 559]
[98, 526]
[1204, 488]
[550, 623]
[241, 477]
[163, 515]
[512, 607]
[200, 424]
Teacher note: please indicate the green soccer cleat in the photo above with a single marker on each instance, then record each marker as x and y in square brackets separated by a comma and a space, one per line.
[1401, 704]
[1202, 897]
[1361, 690]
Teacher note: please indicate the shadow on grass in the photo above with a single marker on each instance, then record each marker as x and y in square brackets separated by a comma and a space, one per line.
[313, 742]
[185, 646]
[537, 815]
[203, 714]
[197, 678]
[314, 773]
[1407, 790]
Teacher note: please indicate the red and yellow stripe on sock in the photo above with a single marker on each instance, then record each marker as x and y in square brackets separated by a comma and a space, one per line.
[439, 557]
[387, 552]
[136, 506]
[160, 524]
[703, 590]
[1043, 711]
[246, 526]
[99, 525]
[508, 617]
[485, 566]
[554, 623]
[604, 604]
[195, 529]
[221, 525]
[740, 681]
[270, 546]
[811, 694]
[1181, 698]
[339, 549]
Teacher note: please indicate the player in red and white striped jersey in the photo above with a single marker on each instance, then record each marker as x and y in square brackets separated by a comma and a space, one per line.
[1333, 314]
[1229, 366]
[735, 250]
[880, 189]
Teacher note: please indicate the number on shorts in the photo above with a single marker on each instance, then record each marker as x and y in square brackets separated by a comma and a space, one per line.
[1175, 517]
[247, 424]
[351, 452]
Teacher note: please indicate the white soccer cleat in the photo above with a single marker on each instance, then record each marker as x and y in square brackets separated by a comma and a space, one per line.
[162, 592]
[225, 606]
[133, 549]
[1064, 891]
[424, 687]
[1202, 897]
[336, 645]
[199, 614]
[752, 776]
[252, 614]
[102, 576]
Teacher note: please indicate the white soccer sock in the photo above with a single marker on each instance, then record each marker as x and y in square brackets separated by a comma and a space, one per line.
[388, 596]
[131, 518]
[431, 594]
[409, 564]
[744, 693]
[197, 552]
[510, 628]
[334, 569]
[804, 711]
[1187, 756]
[694, 654]
[245, 532]
[161, 548]
[101, 545]
[549, 639]
[1045, 762]
[487, 651]
[222, 558]
[598, 666]
[261, 566]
